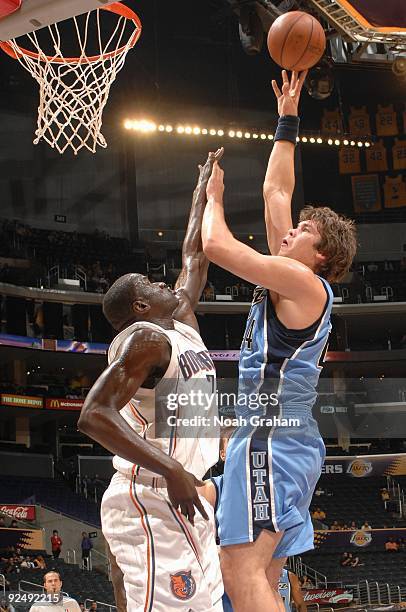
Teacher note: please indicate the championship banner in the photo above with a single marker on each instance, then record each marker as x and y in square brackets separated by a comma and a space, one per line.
[358, 539]
[28, 539]
[59, 403]
[366, 465]
[24, 513]
[23, 401]
[324, 596]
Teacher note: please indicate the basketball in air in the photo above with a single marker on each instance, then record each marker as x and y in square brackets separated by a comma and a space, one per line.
[296, 41]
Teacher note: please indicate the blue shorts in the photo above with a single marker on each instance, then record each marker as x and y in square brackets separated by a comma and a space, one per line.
[269, 478]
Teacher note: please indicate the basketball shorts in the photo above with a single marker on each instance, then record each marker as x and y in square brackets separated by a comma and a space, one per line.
[167, 563]
[269, 478]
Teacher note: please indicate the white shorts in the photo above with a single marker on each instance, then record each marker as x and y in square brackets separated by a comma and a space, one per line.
[167, 563]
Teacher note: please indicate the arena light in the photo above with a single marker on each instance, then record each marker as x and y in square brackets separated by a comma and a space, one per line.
[250, 237]
[160, 234]
[146, 126]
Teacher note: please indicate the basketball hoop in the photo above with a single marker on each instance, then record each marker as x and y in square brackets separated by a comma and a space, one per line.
[75, 90]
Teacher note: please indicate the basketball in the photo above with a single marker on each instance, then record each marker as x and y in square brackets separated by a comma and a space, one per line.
[296, 41]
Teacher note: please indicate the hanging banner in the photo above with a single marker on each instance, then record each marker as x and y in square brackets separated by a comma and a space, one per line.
[366, 465]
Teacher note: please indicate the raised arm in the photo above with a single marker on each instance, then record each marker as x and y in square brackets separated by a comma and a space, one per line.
[279, 180]
[193, 276]
[143, 352]
[283, 275]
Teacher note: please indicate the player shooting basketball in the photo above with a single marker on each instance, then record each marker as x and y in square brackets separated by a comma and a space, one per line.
[168, 562]
[271, 471]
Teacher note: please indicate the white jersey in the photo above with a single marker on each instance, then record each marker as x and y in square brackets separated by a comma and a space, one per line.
[162, 415]
[66, 605]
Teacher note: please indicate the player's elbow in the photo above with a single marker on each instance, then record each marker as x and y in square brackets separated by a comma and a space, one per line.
[211, 247]
[85, 420]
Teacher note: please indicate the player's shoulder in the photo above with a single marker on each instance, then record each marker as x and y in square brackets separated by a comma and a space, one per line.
[144, 339]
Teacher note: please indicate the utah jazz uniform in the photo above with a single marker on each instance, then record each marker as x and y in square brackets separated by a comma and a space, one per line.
[167, 563]
[271, 469]
[285, 589]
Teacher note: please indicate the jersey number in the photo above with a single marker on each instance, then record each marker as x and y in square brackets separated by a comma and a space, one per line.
[248, 334]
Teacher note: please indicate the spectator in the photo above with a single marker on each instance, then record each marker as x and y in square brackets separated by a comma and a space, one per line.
[353, 526]
[28, 563]
[385, 494]
[391, 545]
[13, 524]
[2, 522]
[345, 559]
[319, 514]
[366, 526]
[82, 606]
[354, 561]
[86, 548]
[56, 544]
[53, 586]
[93, 606]
[306, 582]
[335, 526]
[6, 607]
[39, 562]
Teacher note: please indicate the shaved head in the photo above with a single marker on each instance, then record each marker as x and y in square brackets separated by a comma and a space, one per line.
[118, 301]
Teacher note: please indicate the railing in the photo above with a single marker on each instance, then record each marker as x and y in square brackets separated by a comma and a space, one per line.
[301, 569]
[88, 602]
[81, 275]
[103, 563]
[71, 556]
[53, 273]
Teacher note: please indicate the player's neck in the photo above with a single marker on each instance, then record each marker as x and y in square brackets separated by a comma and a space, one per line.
[165, 322]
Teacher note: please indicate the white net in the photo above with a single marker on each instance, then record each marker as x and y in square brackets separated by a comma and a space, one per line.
[74, 90]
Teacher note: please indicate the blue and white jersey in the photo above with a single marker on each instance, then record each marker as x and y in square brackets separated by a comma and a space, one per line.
[282, 362]
[284, 589]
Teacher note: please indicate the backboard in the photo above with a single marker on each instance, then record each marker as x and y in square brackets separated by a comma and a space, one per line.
[18, 17]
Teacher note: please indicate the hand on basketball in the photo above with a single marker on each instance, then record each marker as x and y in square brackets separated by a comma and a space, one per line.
[288, 98]
[215, 186]
[182, 493]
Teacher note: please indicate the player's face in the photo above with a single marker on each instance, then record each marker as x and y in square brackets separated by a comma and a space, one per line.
[301, 244]
[52, 583]
[157, 295]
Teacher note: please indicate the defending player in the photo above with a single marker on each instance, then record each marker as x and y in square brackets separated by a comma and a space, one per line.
[168, 562]
[271, 470]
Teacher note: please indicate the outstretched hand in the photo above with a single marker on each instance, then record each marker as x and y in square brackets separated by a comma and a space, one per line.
[205, 170]
[288, 98]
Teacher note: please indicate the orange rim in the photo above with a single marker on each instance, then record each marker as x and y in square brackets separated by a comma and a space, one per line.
[118, 8]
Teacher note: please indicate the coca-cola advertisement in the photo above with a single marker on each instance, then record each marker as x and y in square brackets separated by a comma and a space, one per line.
[323, 596]
[22, 513]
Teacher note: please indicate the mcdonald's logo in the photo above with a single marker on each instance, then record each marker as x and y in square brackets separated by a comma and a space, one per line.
[54, 403]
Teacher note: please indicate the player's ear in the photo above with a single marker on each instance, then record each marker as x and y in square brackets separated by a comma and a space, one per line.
[140, 307]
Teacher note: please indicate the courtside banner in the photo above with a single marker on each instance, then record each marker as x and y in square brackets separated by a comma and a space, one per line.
[324, 596]
[358, 539]
[22, 401]
[59, 403]
[366, 465]
[23, 513]
[28, 539]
